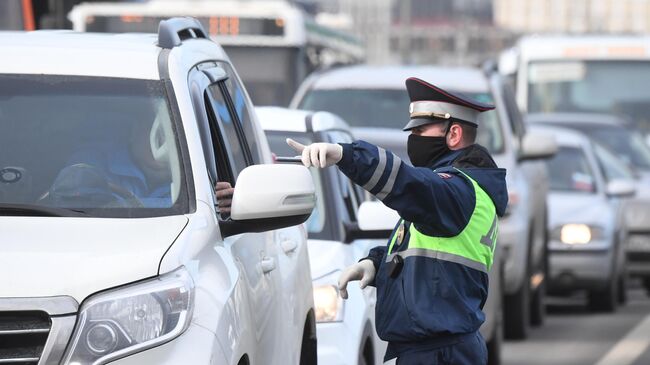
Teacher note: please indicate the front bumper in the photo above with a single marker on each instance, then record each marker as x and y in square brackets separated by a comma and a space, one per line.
[637, 249]
[573, 269]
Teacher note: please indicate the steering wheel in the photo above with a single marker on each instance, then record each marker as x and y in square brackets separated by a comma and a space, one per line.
[83, 180]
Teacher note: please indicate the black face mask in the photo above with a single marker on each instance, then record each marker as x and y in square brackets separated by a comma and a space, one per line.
[424, 151]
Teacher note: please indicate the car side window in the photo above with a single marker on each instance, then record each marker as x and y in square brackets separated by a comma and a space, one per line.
[242, 111]
[224, 129]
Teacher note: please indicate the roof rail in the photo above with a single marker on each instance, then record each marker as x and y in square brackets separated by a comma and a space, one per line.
[173, 31]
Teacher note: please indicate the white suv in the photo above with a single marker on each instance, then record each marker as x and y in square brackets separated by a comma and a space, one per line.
[345, 328]
[113, 246]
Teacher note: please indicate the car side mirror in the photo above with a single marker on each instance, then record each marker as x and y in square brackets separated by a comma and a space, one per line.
[270, 197]
[620, 188]
[536, 145]
[375, 221]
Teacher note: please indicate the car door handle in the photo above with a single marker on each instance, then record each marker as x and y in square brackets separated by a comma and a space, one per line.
[267, 264]
[289, 246]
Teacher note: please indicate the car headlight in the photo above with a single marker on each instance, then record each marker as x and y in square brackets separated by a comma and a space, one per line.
[328, 302]
[577, 233]
[133, 318]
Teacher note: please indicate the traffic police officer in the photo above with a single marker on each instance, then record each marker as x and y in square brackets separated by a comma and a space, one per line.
[432, 277]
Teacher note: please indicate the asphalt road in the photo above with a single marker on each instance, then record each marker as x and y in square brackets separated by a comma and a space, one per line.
[574, 336]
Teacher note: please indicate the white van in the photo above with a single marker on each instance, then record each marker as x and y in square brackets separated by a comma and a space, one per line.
[113, 246]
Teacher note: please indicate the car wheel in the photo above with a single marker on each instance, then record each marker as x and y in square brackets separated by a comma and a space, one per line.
[308, 354]
[538, 296]
[494, 345]
[366, 353]
[605, 300]
[538, 305]
[516, 313]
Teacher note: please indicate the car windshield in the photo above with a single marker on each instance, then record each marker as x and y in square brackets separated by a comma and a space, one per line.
[104, 146]
[627, 144]
[569, 171]
[388, 108]
[615, 87]
[278, 145]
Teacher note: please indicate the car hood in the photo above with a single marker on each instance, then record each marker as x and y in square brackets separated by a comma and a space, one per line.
[43, 256]
[579, 208]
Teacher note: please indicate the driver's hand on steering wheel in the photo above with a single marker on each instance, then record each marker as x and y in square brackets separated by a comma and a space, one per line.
[223, 191]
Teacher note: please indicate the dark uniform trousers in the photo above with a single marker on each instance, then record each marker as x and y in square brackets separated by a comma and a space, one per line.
[469, 351]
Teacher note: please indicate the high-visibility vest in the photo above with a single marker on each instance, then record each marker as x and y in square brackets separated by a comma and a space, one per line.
[473, 247]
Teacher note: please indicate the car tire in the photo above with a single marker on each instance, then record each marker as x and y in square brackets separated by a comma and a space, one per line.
[308, 348]
[605, 300]
[516, 315]
[494, 345]
[366, 353]
[538, 305]
[538, 296]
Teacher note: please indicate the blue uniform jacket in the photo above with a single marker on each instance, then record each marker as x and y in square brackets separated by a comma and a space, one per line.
[432, 302]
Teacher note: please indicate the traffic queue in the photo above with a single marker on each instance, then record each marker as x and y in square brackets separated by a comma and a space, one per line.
[118, 159]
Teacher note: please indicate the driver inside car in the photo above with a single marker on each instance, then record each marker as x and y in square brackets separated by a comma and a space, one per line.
[121, 172]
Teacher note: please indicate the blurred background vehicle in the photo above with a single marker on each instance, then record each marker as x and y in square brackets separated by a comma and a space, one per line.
[274, 43]
[622, 139]
[375, 101]
[345, 328]
[580, 73]
[588, 185]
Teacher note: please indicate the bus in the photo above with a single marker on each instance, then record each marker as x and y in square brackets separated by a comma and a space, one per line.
[582, 74]
[273, 44]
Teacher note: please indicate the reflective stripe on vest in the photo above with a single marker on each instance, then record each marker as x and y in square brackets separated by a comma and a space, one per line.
[473, 246]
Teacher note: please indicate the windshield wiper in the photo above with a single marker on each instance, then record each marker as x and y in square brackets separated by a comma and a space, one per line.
[39, 210]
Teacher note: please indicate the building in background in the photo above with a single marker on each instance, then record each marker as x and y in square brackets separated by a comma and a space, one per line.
[459, 32]
[573, 16]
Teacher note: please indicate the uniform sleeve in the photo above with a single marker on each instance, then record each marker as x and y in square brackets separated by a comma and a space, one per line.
[438, 204]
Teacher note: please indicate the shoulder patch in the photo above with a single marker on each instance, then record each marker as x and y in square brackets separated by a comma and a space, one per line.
[444, 175]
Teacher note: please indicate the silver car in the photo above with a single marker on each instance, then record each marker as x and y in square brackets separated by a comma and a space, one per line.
[588, 187]
[627, 143]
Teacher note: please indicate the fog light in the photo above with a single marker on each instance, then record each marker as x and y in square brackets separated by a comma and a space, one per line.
[101, 339]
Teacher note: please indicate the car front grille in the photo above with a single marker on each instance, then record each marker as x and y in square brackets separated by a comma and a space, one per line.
[35, 331]
[23, 335]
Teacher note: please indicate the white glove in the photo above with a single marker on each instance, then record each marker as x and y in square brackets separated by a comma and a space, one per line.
[363, 270]
[318, 154]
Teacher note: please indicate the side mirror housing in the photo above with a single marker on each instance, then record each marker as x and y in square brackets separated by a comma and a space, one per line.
[536, 145]
[620, 188]
[376, 221]
[270, 197]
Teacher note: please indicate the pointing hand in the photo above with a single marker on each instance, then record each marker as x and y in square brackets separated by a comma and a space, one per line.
[317, 154]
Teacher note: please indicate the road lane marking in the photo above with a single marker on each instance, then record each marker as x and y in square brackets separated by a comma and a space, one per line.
[630, 347]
